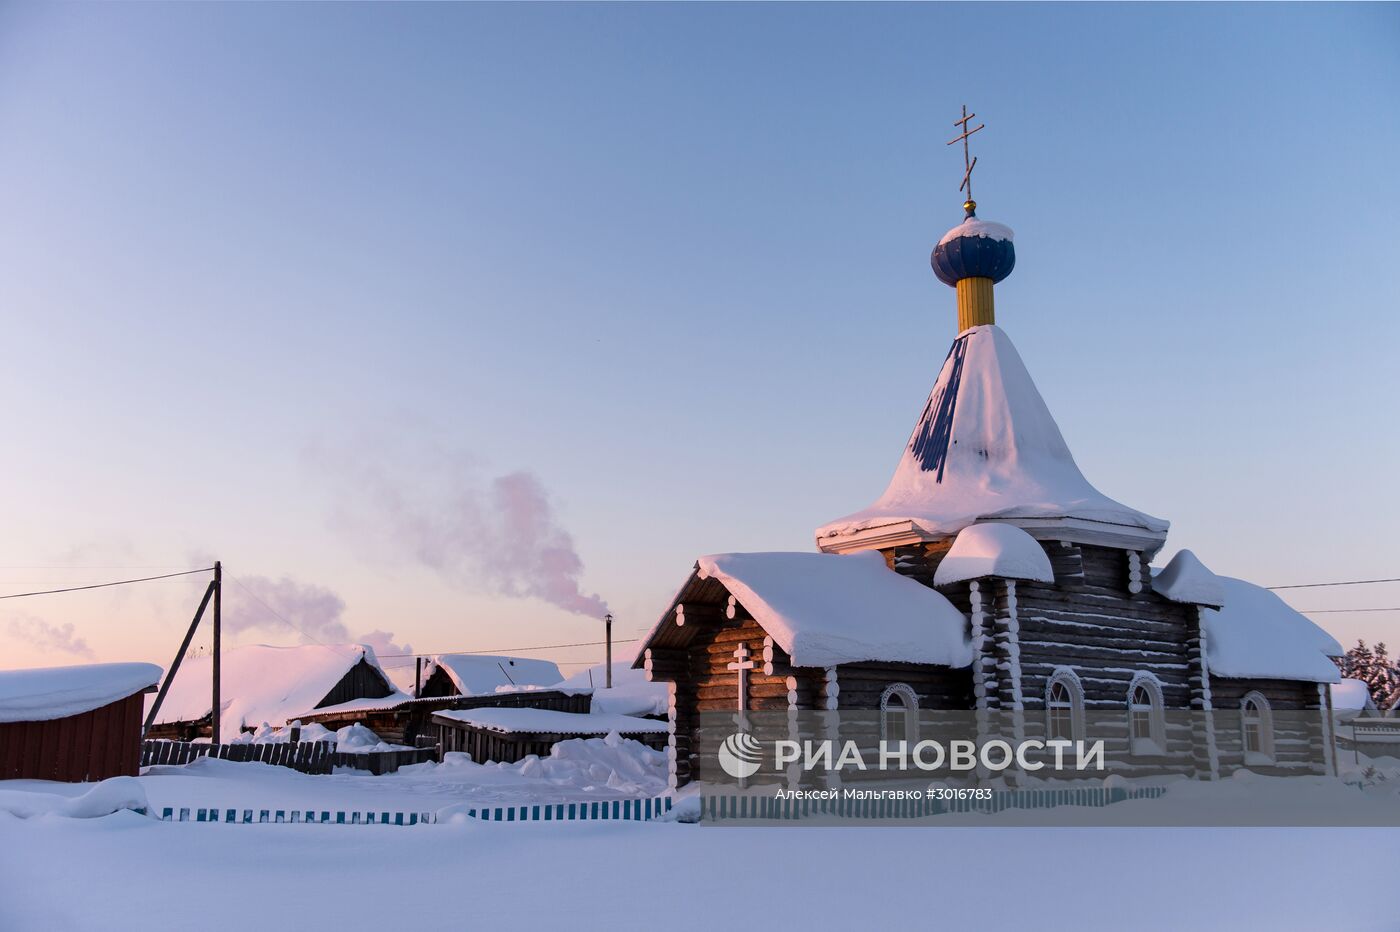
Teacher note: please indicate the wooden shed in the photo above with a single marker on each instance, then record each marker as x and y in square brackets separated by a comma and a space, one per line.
[74, 724]
[509, 735]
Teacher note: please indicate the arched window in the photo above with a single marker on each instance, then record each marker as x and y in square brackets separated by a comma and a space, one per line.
[1147, 731]
[1257, 728]
[1064, 706]
[899, 714]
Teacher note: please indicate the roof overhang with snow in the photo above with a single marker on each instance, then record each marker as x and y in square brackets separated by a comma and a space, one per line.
[822, 609]
[993, 549]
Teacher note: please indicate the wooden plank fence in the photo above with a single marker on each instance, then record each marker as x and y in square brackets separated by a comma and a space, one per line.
[305, 756]
[382, 762]
[769, 808]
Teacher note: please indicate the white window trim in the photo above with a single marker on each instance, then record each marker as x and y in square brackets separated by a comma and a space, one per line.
[1156, 744]
[1070, 680]
[1266, 753]
[911, 712]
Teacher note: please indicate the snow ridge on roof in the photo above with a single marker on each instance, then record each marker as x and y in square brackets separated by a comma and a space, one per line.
[1001, 550]
[1186, 579]
[987, 447]
[46, 693]
[261, 683]
[1258, 635]
[484, 674]
[825, 609]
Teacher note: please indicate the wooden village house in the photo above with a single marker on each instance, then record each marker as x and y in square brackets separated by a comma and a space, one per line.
[455, 681]
[991, 575]
[270, 685]
[75, 724]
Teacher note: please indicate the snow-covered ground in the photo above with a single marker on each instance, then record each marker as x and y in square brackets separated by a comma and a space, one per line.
[126, 872]
[64, 865]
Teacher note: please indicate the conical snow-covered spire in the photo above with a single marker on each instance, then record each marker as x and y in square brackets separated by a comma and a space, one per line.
[987, 448]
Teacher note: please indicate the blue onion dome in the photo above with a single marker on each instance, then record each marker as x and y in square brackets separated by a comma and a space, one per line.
[974, 249]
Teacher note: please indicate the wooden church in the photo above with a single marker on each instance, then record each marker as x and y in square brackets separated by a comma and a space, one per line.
[991, 575]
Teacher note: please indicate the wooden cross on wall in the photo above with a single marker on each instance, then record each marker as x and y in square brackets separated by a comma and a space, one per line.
[970, 164]
[742, 664]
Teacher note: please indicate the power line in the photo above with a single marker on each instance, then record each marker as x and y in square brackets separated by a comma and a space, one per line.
[1319, 585]
[507, 650]
[276, 614]
[1340, 611]
[119, 582]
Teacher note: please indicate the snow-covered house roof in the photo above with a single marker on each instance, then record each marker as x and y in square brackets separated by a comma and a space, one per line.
[1255, 634]
[827, 609]
[553, 722]
[483, 674]
[1186, 579]
[631, 694]
[987, 448]
[263, 684]
[1001, 550]
[46, 693]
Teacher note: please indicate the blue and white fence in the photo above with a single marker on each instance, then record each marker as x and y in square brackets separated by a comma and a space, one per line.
[634, 810]
[296, 816]
[770, 808]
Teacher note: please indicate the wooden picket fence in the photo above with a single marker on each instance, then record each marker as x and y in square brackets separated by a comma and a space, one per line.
[737, 807]
[296, 816]
[632, 810]
[305, 756]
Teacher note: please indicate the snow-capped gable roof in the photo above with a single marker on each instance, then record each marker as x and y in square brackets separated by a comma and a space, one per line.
[483, 674]
[261, 683]
[1001, 550]
[987, 447]
[1186, 579]
[46, 693]
[825, 609]
[1258, 635]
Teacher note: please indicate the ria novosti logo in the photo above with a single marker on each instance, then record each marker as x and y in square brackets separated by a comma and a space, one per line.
[740, 755]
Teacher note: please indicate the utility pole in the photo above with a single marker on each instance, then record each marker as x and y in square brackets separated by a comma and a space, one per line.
[607, 622]
[218, 618]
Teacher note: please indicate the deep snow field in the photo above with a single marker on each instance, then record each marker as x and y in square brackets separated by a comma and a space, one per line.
[63, 866]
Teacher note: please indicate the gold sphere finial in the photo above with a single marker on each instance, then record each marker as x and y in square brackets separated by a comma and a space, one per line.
[970, 206]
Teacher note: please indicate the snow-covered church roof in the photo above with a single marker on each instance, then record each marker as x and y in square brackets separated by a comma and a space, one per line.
[987, 449]
[1255, 634]
[1001, 550]
[828, 609]
[261, 683]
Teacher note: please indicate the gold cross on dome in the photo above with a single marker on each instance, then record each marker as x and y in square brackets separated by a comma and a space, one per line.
[969, 160]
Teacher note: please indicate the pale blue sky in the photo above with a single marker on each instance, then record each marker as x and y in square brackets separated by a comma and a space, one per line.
[672, 260]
